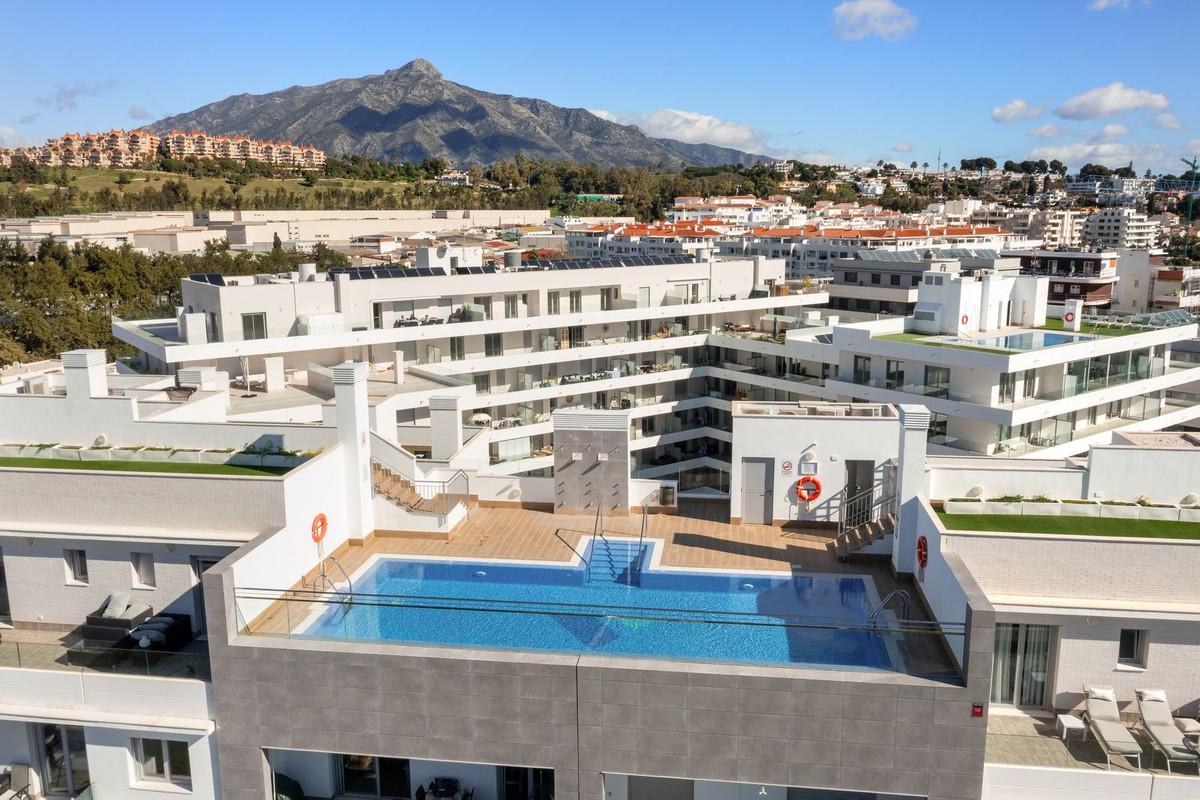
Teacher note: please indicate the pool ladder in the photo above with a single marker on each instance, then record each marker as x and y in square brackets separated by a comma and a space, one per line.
[322, 582]
[905, 602]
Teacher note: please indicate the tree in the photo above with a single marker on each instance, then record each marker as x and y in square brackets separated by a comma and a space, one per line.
[913, 165]
[309, 180]
[11, 352]
[124, 179]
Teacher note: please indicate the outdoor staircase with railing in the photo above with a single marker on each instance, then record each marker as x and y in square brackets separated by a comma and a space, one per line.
[866, 517]
[424, 497]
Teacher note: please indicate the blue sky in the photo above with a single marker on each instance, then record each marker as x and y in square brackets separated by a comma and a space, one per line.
[827, 80]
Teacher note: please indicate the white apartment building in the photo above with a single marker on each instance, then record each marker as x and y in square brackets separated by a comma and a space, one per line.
[887, 282]
[865, 639]
[812, 251]
[1057, 228]
[999, 377]
[671, 338]
[1123, 228]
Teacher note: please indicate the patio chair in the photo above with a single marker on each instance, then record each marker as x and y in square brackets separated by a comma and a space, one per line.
[1104, 721]
[21, 783]
[1159, 725]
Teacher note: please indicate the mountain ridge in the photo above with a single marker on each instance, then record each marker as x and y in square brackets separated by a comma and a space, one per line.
[412, 112]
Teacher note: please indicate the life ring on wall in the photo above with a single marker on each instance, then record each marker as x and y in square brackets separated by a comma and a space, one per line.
[1069, 316]
[320, 525]
[965, 319]
[808, 488]
[922, 551]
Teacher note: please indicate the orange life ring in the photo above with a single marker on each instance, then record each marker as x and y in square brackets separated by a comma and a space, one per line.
[319, 525]
[808, 488]
[922, 551]
[965, 319]
[1069, 316]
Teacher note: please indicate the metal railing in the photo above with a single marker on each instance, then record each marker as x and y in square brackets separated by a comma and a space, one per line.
[597, 526]
[905, 602]
[866, 506]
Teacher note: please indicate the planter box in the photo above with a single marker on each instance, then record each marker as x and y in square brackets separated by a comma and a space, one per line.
[1189, 515]
[123, 454]
[1079, 509]
[245, 459]
[997, 507]
[1119, 512]
[66, 453]
[279, 461]
[152, 455]
[185, 456]
[214, 457]
[961, 507]
[1154, 512]
[95, 455]
[1042, 509]
[12, 449]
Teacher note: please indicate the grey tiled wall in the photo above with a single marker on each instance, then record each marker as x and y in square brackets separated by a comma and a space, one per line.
[582, 716]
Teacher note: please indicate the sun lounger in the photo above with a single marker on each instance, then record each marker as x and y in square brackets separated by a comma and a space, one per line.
[1104, 721]
[1160, 727]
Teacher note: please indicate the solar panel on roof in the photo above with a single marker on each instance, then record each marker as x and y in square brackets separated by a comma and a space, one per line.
[215, 279]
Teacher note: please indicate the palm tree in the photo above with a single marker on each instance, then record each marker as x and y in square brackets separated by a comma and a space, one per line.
[924, 167]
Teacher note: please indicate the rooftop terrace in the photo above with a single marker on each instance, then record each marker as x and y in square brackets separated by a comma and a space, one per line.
[777, 563]
[1079, 526]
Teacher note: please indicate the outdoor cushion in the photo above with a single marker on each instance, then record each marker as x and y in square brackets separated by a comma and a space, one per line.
[1102, 693]
[155, 637]
[117, 603]
[1117, 738]
[1156, 695]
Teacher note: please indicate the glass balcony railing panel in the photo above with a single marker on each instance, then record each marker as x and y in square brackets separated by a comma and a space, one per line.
[190, 663]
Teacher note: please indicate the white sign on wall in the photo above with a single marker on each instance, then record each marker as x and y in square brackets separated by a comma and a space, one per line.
[786, 468]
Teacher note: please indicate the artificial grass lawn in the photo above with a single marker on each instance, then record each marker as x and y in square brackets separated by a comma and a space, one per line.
[1079, 526]
[926, 339]
[1094, 330]
[140, 466]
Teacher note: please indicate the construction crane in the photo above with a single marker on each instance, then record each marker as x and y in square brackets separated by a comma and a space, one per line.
[1187, 232]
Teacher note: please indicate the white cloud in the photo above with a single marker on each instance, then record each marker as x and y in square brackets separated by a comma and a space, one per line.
[1106, 101]
[1168, 120]
[11, 137]
[1100, 5]
[902, 148]
[1109, 133]
[857, 19]
[1015, 111]
[140, 112]
[690, 126]
[822, 158]
[1048, 131]
[1113, 154]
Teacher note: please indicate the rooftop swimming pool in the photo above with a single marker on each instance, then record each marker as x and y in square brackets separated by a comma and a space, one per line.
[1027, 340]
[619, 605]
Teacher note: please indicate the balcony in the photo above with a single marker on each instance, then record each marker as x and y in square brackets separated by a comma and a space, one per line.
[29, 649]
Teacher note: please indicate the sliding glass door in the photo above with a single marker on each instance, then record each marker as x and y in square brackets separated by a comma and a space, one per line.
[64, 760]
[1021, 665]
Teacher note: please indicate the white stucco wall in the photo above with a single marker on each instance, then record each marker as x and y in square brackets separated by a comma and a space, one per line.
[1166, 475]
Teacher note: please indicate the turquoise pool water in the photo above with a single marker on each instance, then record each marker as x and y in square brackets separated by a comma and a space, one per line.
[617, 606]
[1029, 340]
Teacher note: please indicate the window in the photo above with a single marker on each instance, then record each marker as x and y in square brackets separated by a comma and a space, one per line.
[895, 375]
[895, 280]
[576, 301]
[876, 278]
[1132, 648]
[76, 564]
[851, 277]
[551, 302]
[163, 760]
[143, 570]
[254, 326]
[486, 302]
[862, 369]
[375, 777]
[916, 279]
[510, 306]
[492, 344]
[458, 348]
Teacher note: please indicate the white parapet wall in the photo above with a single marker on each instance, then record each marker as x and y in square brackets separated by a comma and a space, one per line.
[1009, 782]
